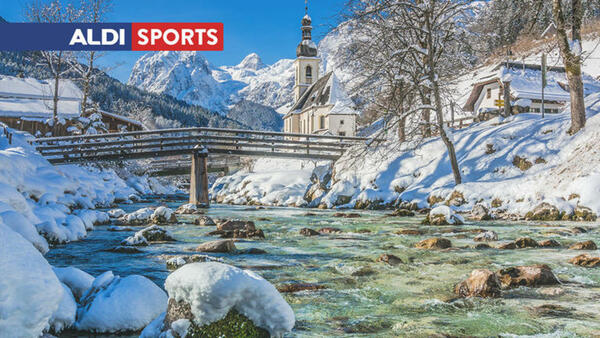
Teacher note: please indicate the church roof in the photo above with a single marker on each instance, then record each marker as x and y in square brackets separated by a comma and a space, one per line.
[326, 91]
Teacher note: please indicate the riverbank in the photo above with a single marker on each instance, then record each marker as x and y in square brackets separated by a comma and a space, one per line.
[511, 166]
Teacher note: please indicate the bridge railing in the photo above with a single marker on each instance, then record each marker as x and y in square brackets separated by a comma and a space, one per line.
[167, 142]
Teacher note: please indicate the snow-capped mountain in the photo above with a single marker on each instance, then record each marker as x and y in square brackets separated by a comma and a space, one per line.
[190, 77]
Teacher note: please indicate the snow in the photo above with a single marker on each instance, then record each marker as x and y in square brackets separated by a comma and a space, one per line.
[64, 316]
[116, 213]
[272, 181]
[140, 215]
[79, 282]
[30, 293]
[116, 304]
[571, 166]
[18, 223]
[449, 214]
[213, 289]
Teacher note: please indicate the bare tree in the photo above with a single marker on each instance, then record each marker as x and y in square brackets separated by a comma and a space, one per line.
[55, 61]
[412, 52]
[92, 11]
[571, 52]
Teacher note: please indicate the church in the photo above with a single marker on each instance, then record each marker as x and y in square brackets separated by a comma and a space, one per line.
[321, 104]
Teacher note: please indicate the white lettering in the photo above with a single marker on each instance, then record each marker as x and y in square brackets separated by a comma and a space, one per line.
[175, 34]
[114, 37]
[187, 36]
[213, 37]
[142, 35]
[78, 38]
[200, 34]
[90, 38]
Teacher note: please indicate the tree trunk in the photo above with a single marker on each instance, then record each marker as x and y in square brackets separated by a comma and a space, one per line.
[86, 83]
[449, 145]
[572, 60]
[426, 114]
[402, 129]
[507, 106]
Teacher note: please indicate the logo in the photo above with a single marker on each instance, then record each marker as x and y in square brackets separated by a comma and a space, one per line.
[112, 36]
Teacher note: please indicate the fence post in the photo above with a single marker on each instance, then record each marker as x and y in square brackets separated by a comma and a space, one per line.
[199, 178]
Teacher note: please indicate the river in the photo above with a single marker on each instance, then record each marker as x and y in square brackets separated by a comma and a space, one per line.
[363, 297]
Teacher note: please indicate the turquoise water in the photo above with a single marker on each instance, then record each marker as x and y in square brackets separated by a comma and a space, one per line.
[363, 297]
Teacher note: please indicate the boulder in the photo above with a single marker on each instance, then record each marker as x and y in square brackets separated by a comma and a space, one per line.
[480, 213]
[221, 246]
[330, 230]
[309, 232]
[583, 214]
[149, 235]
[116, 213]
[163, 215]
[526, 242]
[124, 249]
[544, 212]
[434, 243]
[587, 245]
[533, 275]
[488, 236]
[389, 259]
[239, 233]
[116, 304]
[402, 213]
[231, 225]
[218, 300]
[481, 283]
[585, 260]
[549, 243]
[443, 215]
[482, 246]
[297, 287]
[204, 221]
[507, 246]
[188, 209]
[413, 232]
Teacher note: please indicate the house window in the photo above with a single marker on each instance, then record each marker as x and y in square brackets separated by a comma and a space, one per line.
[342, 122]
[322, 122]
[489, 93]
[342, 133]
[309, 74]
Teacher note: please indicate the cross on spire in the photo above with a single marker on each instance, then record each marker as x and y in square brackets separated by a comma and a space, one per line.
[305, 6]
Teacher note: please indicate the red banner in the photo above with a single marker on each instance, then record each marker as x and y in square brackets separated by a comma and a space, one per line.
[156, 36]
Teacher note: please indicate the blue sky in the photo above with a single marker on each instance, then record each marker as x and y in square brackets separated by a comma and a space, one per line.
[270, 28]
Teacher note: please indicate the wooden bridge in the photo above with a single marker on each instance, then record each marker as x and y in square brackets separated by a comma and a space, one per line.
[198, 142]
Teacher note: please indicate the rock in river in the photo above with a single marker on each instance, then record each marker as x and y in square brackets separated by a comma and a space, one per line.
[526, 242]
[488, 236]
[309, 232]
[481, 283]
[297, 287]
[222, 246]
[389, 259]
[533, 275]
[204, 221]
[153, 234]
[587, 245]
[586, 260]
[434, 243]
[549, 243]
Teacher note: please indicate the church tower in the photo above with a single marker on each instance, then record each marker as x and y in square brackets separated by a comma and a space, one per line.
[307, 63]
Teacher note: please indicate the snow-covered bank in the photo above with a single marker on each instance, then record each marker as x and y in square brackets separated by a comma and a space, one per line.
[512, 164]
[42, 204]
[280, 182]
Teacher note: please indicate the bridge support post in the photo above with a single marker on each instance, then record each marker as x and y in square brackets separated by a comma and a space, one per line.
[199, 178]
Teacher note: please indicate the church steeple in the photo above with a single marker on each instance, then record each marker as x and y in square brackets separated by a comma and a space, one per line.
[307, 63]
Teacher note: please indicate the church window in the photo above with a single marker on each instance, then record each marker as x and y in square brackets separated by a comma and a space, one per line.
[322, 122]
[489, 93]
[342, 122]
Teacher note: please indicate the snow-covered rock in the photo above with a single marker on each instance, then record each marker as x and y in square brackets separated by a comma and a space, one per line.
[115, 304]
[30, 293]
[64, 316]
[152, 234]
[443, 215]
[116, 213]
[79, 282]
[18, 223]
[213, 289]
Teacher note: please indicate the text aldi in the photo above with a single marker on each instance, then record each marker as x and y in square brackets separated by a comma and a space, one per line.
[112, 36]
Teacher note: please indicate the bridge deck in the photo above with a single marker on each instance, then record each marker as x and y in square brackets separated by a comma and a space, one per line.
[172, 142]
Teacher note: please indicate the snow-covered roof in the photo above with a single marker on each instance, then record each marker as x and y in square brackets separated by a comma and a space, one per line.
[525, 83]
[326, 91]
[32, 98]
